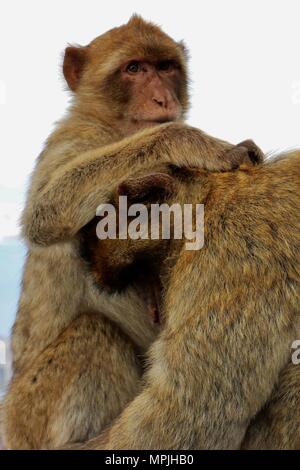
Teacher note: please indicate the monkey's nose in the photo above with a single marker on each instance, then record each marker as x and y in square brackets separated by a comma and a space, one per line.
[160, 101]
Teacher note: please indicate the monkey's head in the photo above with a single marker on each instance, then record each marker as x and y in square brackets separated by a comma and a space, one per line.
[118, 262]
[134, 76]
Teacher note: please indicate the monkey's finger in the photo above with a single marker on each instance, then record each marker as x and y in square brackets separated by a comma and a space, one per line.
[256, 155]
[236, 156]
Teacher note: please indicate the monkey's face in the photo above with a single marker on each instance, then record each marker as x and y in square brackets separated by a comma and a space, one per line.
[152, 91]
[134, 76]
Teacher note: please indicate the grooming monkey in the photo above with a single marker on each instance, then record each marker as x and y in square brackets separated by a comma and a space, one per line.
[76, 348]
[221, 375]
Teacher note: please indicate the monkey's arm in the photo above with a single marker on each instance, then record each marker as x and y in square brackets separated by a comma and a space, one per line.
[58, 209]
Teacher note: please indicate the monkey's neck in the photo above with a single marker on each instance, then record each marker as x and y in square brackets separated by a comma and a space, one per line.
[97, 117]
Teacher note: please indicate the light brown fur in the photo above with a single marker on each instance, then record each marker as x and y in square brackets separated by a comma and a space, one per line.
[221, 375]
[92, 149]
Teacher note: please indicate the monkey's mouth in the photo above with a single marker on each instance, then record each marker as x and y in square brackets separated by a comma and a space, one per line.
[141, 123]
[160, 120]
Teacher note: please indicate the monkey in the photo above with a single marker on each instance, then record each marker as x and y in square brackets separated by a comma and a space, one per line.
[76, 348]
[220, 374]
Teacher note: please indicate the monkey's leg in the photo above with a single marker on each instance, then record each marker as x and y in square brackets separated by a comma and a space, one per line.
[277, 426]
[77, 385]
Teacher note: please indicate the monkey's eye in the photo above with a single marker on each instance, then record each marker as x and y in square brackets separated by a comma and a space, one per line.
[165, 66]
[133, 67]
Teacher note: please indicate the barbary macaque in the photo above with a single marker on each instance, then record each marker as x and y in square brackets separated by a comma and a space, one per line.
[221, 375]
[77, 348]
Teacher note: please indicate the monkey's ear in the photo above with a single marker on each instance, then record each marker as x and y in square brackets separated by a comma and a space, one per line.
[184, 49]
[149, 188]
[74, 62]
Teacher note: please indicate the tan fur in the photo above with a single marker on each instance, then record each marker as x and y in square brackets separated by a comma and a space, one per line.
[221, 375]
[92, 149]
[68, 397]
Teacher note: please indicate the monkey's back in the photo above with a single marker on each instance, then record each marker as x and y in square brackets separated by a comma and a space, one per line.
[233, 306]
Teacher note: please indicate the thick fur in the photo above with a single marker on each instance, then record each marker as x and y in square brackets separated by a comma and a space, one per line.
[92, 149]
[63, 395]
[221, 375]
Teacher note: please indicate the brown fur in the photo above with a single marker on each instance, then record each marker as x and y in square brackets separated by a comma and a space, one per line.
[98, 143]
[221, 375]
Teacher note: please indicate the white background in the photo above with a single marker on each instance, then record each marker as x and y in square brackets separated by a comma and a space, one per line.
[245, 69]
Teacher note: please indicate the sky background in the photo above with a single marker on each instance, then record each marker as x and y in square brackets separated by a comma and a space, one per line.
[245, 70]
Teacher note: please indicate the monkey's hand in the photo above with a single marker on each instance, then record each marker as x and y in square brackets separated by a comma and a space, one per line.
[192, 147]
[245, 152]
